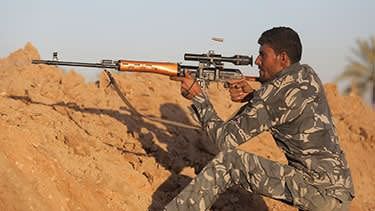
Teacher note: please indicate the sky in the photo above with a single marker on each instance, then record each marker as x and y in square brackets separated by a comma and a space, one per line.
[163, 30]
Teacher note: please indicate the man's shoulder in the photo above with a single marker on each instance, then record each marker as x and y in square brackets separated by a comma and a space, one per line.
[298, 73]
[302, 78]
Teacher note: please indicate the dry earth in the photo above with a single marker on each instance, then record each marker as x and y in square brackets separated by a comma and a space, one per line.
[70, 145]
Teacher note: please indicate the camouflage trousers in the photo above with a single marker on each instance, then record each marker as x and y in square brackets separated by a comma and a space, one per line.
[256, 174]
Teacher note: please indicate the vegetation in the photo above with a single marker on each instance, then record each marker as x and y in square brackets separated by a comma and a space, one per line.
[361, 70]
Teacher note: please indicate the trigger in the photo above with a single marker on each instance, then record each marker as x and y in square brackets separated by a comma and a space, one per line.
[226, 84]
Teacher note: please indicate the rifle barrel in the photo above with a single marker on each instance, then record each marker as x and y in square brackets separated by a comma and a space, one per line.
[103, 64]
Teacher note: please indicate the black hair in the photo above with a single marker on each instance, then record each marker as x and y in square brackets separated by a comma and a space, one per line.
[283, 39]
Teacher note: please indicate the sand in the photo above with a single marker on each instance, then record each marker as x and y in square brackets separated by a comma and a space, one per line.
[66, 144]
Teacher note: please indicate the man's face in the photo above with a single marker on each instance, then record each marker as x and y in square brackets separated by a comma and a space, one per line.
[269, 63]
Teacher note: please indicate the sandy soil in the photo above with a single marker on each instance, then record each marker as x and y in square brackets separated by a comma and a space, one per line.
[70, 145]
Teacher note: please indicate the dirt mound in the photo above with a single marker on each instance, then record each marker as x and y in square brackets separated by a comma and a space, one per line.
[70, 145]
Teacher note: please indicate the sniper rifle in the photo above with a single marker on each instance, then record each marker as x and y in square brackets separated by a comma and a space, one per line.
[210, 67]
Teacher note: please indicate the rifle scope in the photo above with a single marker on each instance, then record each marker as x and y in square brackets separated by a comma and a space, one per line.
[218, 59]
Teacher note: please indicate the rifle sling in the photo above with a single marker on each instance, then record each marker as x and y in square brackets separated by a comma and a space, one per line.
[132, 108]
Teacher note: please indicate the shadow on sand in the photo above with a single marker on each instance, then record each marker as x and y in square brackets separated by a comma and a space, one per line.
[185, 148]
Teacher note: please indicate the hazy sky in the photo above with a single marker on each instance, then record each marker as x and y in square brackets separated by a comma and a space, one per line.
[164, 30]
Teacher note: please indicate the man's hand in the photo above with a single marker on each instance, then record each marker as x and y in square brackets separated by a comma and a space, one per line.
[240, 90]
[189, 86]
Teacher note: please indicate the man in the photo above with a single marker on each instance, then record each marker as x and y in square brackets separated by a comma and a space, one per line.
[292, 106]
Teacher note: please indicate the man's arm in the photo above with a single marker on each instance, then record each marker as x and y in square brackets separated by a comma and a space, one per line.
[273, 104]
[252, 119]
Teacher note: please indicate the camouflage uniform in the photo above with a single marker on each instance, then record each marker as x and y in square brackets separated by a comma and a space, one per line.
[293, 107]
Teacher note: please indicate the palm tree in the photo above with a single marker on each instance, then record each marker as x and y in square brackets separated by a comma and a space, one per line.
[361, 71]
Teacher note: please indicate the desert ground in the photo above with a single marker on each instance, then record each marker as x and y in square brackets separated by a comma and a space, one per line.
[66, 144]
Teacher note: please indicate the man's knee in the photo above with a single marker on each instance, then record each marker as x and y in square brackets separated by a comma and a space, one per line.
[229, 156]
[240, 163]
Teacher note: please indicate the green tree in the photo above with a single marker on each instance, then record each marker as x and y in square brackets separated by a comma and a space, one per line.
[361, 70]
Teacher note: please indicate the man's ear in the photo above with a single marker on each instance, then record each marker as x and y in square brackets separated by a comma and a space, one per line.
[284, 59]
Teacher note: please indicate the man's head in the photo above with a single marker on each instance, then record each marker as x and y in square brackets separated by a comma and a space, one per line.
[279, 48]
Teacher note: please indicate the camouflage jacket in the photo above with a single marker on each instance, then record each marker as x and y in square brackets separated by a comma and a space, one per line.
[294, 109]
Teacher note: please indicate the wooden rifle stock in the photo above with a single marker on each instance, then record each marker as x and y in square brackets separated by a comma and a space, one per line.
[164, 68]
